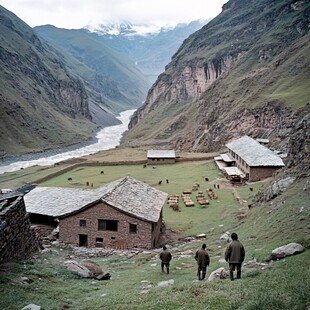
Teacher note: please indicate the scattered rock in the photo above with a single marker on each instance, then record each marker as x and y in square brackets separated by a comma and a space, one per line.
[165, 283]
[218, 274]
[201, 236]
[103, 276]
[287, 250]
[32, 307]
[93, 267]
[78, 269]
[25, 280]
[225, 236]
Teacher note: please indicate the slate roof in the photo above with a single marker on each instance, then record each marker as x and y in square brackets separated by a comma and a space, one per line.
[160, 154]
[253, 153]
[129, 195]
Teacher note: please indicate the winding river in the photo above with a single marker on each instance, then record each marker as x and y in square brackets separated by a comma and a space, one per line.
[107, 138]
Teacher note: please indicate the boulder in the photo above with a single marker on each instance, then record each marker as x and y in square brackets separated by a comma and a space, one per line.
[287, 250]
[103, 276]
[225, 236]
[32, 307]
[78, 269]
[201, 236]
[166, 283]
[93, 267]
[218, 274]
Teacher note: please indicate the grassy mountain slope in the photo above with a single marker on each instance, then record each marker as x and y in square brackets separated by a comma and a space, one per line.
[42, 105]
[245, 72]
[120, 80]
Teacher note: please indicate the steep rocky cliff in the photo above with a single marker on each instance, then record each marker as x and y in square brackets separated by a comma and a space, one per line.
[245, 72]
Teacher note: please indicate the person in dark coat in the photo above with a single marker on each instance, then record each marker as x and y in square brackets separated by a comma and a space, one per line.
[165, 257]
[234, 255]
[203, 261]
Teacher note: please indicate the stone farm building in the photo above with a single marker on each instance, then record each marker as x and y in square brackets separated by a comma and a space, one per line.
[126, 213]
[161, 157]
[248, 159]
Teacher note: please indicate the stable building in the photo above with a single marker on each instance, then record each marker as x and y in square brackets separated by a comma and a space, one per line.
[126, 213]
[161, 157]
[253, 160]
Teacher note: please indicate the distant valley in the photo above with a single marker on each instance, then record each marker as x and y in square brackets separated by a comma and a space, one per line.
[59, 86]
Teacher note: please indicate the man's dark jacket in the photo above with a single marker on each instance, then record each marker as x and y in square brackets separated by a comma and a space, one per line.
[202, 258]
[235, 252]
[165, 256]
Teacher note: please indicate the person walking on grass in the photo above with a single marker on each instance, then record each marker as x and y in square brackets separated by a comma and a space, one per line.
[203, 261]
[165, 257]
[234, 255]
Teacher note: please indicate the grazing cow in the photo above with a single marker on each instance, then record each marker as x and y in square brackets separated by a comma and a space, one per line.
[144, 166]
[251, 189]
[92, 185]
[207, 179]
[102, 172]
[218, 185]
[167, 181]
[69, 179]
[159, 183]
[87, 183]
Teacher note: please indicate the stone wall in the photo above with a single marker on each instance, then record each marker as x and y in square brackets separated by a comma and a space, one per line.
[261, 173]
[71, 228]
[17, 238]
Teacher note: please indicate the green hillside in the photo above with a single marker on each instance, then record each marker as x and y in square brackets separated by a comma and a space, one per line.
[273, 285]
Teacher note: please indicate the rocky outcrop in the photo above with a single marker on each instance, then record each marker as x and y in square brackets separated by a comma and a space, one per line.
[192, 80]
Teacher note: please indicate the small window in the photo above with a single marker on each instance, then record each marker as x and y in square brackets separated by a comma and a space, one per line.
[133, 228]
[99, 242]
[107, 225]
[82, 223]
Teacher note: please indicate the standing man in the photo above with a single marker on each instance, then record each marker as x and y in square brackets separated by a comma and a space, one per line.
[165, 257]
[234, 255]
[203, 260]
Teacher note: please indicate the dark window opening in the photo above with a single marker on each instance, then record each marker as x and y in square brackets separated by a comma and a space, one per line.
[133, 228]
[107, 225]
[82, 223]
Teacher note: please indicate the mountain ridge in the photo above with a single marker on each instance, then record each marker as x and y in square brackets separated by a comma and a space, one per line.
[230, 78]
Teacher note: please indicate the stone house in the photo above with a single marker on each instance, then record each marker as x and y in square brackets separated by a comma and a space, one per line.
[253, 160]
[126, 213]
[161, 157]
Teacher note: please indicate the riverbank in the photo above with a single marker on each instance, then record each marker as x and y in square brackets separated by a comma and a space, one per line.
[106, 138]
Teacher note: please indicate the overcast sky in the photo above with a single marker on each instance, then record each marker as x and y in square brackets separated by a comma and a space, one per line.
[80, 13]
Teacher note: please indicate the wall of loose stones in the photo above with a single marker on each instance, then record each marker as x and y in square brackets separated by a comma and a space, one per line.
[17, 239]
